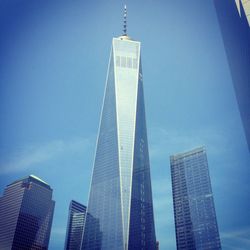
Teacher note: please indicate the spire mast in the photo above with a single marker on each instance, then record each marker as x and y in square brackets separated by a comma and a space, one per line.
[125, 21]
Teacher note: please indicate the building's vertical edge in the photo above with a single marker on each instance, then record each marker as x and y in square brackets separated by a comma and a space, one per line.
[126, 80]
[213, 201]
[173, 195]
[50, 220]
[135, 120]
[153, 234]
[118, 137]
[68, 227]
[141, 229]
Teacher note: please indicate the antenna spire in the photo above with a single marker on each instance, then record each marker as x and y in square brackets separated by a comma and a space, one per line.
[125, 21]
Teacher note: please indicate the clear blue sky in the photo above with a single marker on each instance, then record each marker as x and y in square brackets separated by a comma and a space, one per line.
[53, 64]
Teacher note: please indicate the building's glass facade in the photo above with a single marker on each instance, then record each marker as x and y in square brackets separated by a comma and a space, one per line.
[236, 37]
[76, 220]
[194, 211]
[120, 209]
[26, 213]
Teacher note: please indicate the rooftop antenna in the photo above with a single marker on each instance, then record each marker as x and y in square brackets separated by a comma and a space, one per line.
[125, 21]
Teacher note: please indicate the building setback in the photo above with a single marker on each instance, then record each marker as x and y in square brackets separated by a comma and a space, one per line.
[26, 213]
[76, 220]
[194, 211]
[120, 208]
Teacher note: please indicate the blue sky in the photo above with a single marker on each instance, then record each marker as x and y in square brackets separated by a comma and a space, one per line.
[54, 58]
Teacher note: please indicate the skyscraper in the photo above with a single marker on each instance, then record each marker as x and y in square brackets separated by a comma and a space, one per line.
[194, 212]
[120, 208]
[236, 37]
[76, 220]
[26, 213]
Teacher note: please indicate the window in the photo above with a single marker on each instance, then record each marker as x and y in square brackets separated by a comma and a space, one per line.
[123, 61]
[118, 61]
[129, 62]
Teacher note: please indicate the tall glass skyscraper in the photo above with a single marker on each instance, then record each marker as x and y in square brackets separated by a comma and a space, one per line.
[194, 212]
[120, 208]
[26, 213]
[235, 31]
[76, 220]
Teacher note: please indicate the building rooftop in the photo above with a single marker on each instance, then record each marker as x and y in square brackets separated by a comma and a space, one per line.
[37, 178]
[124, 37]
[32, 178]
[189, 153]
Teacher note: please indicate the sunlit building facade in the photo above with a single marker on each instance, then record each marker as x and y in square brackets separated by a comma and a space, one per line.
[26, 213]
[235, 32]
[246, 7]
[76, 220]
[194, 211]
[120, 208]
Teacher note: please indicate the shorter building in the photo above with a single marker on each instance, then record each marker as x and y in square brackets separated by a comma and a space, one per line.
[157, 245]
[194, 212]
[26, 213]
[76, 220]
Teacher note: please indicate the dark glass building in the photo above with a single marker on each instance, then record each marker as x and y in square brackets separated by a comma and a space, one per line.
[236, 37]
[26, 213]
[120, 208]
[76, 220]
[195, 219]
